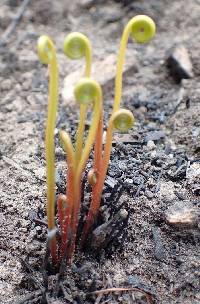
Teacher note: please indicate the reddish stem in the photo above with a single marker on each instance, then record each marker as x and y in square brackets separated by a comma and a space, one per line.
[62, 214]
[69, 210]
[74, 218]
[53, 250]
[95, 202]
[65, 208]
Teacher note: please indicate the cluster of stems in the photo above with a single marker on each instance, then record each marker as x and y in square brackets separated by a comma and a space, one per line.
[88, 94]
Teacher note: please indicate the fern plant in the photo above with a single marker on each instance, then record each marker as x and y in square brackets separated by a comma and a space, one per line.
[88, 94]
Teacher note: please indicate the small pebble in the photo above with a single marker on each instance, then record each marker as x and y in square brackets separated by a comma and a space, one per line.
[153, 154]
[149, 194]
[151, 145]
[6, 85]
[154, 136]
[122, 166]
[193, 171]
[183, 214]
[128, 181]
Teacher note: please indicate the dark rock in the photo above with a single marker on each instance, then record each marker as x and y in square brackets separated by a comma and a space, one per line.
[179, 63]
[159, 249]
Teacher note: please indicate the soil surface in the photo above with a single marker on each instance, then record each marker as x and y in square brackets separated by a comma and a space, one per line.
[154, 169]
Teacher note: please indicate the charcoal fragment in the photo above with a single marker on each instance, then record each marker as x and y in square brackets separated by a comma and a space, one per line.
[103, 234]
[159, 250]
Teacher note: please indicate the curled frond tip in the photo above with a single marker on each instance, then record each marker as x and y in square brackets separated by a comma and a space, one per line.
[87, 90]
[76, 45]
[143, 28]
[122, 120]
[45, 49]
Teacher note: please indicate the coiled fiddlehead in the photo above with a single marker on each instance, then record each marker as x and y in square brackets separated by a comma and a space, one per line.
[123, 120]
[142, 29]
[87, 91]
[77, 46]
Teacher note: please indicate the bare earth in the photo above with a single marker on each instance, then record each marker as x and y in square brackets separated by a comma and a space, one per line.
[154, 170]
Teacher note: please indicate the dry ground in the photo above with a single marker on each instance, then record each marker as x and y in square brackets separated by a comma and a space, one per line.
[156, 180]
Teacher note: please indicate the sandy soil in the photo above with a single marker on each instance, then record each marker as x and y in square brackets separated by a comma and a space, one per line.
[154, 170]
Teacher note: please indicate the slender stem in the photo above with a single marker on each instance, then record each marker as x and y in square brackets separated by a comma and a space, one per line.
[98, 187]
[98, 146]
[83, 108]
[74, 216]
[97, 165]
[50, 151]
[106, 157]
[47, 55]
[74, 179]
[85, 154]
[80, 132]
[142, 29]
[70, 188]
[91, 135]
[120, 65]
[62, 216]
